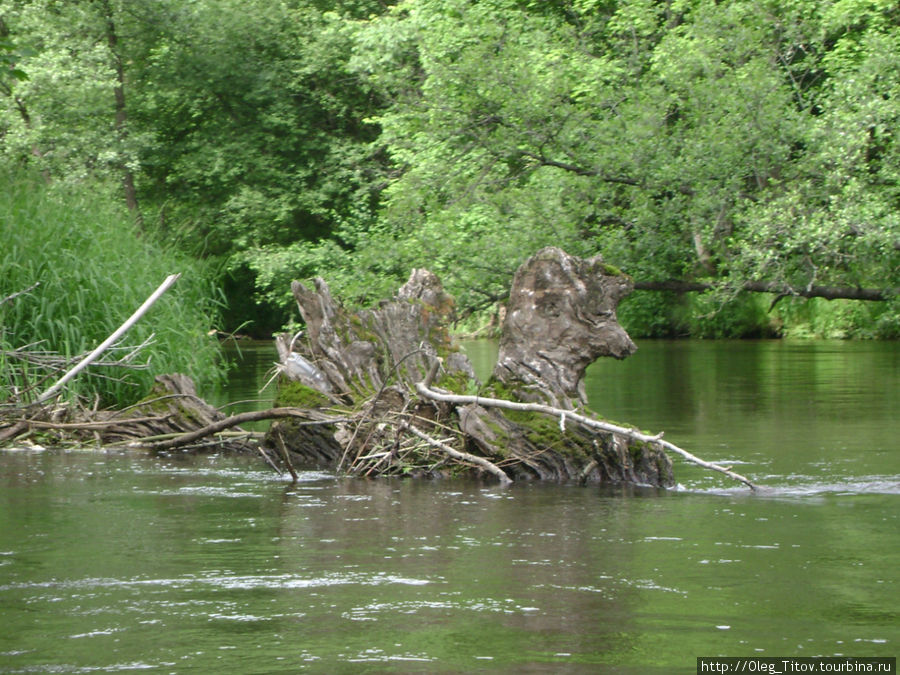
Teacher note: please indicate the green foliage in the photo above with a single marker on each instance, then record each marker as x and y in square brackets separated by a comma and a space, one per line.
[242, 125]
[9, 55]
[355, 140]
[715, 141]
[840, 319]
[259, 131]
[61, 119]
[93, 273]
[710, 315]
[704, 315]
[649, 315]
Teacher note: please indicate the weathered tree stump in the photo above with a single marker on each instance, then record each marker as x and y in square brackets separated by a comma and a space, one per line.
[406, 400]
[561, 316]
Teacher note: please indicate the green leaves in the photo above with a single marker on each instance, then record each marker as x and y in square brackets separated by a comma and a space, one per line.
[9, 57]
[93, 272]
[722, 141]
[695, 139]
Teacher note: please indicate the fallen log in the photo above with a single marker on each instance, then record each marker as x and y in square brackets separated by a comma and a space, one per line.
[781, 290]
[405, 399]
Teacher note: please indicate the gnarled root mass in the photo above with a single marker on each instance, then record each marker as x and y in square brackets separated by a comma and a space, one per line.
[405, 400]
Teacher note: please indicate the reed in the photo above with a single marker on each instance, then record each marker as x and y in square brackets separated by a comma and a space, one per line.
[93, 272]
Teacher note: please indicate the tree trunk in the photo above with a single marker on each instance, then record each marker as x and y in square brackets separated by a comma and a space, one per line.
[121, 118]
[388, 370]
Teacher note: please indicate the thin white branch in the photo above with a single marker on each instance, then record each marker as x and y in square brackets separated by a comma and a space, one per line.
[22, 292]
[423, 390]
[464, 456]
[133, 319]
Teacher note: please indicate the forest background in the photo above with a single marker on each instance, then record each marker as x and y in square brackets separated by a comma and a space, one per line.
[697, 145]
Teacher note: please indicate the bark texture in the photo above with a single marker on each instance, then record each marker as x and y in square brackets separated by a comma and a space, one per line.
[561, 317]
[385, 374]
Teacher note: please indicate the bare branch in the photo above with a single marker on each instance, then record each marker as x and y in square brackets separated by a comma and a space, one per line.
[241, 418]
[8, 298]
[463, 456]
[133, 319]
[827, 292]
[562, 414]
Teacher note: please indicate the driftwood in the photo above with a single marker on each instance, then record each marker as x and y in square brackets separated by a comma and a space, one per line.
[385, 391]
[52, 363]
[171, 411]
[564, 415]
[108, 342]
[171, 417]
[405, 400]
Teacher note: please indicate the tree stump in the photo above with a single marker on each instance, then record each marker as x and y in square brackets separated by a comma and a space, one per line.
[406, 400]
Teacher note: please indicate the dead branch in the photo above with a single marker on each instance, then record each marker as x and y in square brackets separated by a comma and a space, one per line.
[242, 418]
[133, 319]
[97, 425]
[485, 464]
[562, 414]
[286, 456]
[783, 290]
[8, 298]
[11, 432]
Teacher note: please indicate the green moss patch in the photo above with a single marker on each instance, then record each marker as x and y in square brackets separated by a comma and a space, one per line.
[293, 394]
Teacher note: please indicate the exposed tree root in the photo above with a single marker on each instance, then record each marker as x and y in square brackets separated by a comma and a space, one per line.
[377, 367]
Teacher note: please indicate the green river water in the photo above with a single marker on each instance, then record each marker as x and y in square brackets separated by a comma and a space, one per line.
[118, 562]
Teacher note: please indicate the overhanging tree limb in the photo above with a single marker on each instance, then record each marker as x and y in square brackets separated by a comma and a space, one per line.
[597, 173]
[827, 292]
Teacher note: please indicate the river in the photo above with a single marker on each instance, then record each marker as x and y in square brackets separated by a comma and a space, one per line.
[117, 562]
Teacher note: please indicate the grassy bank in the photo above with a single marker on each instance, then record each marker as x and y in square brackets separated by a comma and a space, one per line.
[93, 271]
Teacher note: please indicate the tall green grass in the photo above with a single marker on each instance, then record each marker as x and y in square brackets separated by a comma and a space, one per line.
[94, 271]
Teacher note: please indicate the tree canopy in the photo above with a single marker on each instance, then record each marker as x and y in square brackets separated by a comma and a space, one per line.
[726, 145]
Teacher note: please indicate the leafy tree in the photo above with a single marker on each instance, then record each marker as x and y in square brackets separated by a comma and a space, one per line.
[832, 216]
[68, 118]
[260, 138]
[236, 124]
[691, 140]
[734, 144]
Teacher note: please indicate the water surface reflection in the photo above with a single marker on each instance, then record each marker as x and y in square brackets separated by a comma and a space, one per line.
[115, 561]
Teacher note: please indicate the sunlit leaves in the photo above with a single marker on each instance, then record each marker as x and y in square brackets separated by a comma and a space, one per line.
[724, 140]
